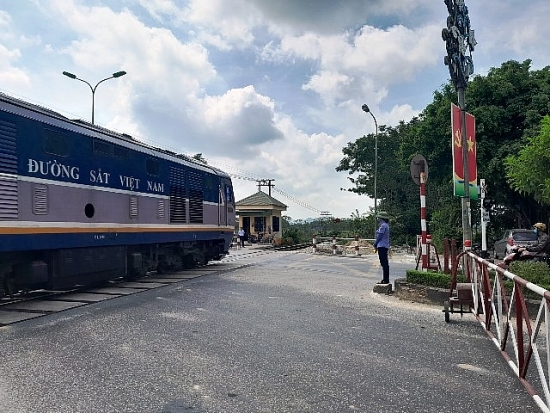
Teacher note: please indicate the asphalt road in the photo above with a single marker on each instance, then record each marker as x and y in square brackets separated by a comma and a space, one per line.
[280, 332]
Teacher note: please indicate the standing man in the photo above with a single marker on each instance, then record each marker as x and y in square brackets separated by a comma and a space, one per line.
[241, 237]
[382, 245]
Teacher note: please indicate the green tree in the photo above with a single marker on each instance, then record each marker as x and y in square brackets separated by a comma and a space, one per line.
[508, 104]
[395, 188]
[528, 171]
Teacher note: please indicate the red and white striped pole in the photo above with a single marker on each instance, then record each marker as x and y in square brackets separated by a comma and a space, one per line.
[423, 219]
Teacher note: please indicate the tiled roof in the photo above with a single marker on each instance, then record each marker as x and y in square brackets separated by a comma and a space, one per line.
[260, 199]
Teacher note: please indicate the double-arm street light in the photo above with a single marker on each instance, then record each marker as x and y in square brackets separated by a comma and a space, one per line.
[93, 89]
[366, 109]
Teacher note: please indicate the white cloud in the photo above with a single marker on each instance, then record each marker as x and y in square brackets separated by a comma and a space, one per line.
[106, 38]
[398, 113]
[373, 59]
[306, 46]
[330, 86]
[239, 118]
[5, 24]
[163, 10]
[233, 22]
[10, 74]
[325, 17]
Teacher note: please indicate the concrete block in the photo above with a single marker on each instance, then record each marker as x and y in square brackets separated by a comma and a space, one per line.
[382, 288]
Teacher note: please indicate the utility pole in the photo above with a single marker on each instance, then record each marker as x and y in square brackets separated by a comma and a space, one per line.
[460, 40]
[265, 182]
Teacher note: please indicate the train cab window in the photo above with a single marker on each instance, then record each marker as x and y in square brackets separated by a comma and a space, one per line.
[55, 143]
[210, 181]
[229, 194]
[152, 167]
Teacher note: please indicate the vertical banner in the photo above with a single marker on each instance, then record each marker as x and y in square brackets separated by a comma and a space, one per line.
[458, 163]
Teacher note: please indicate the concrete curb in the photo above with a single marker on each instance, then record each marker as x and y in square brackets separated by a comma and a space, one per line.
[382, 289]
[436, 296]
[420, 293]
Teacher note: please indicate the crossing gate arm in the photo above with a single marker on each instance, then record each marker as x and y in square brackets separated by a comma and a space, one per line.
[519, 327]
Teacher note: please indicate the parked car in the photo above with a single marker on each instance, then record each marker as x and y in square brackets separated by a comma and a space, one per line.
[513, 238]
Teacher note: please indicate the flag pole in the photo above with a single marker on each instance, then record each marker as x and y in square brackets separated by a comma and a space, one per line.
[466, 221]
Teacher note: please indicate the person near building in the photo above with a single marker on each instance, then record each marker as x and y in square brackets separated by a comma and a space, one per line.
[241, 234]
[382, 245]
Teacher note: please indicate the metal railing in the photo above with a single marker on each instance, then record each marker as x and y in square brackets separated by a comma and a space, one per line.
[518, 326]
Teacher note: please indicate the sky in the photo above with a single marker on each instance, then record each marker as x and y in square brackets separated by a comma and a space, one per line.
[263, 89]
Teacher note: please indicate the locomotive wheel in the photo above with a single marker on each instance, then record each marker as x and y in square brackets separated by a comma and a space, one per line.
[201, 260]
[9, 285]
[163, 267]
[187, 261]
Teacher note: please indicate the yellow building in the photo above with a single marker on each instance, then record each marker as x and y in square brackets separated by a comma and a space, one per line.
[260, 217]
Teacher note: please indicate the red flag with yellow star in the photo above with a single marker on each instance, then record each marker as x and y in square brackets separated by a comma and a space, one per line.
[458, 163]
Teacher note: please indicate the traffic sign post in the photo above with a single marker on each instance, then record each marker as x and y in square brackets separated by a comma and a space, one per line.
[419, 174]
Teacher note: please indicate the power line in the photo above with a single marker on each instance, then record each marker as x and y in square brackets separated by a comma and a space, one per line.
[290, 197]
[298, 201]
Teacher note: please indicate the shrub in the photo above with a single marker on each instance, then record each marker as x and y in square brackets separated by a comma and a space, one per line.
[531, 271]
[432, 279]
[535, 272]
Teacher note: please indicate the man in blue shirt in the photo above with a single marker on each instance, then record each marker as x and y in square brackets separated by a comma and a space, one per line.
[242, 236]
[382, 245]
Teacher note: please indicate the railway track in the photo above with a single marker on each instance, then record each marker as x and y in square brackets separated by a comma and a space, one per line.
[293, 247]
[34, 304]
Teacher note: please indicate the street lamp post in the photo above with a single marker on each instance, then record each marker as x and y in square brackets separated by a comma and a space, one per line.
[93, 89]
[366, 109]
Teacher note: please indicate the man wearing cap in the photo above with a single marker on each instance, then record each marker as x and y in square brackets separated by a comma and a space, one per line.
[382, 245]
[542, 248]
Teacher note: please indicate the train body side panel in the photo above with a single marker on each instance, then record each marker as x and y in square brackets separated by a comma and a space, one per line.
[73, 191]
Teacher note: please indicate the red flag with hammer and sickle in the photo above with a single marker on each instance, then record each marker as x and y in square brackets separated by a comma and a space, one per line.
[458, 162]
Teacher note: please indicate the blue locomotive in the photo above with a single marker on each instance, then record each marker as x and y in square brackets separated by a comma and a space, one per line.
[80, 204]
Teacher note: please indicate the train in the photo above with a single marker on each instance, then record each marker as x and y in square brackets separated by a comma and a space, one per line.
[81, 204]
